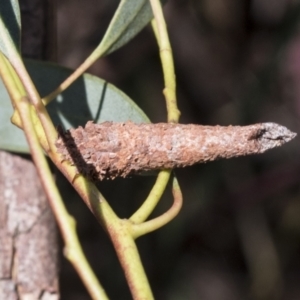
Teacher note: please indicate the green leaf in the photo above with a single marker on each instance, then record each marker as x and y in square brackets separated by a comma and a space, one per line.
[89, 98]
[129, 19]
[11, 21]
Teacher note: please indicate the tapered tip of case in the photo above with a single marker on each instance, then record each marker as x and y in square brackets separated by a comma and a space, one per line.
[272, 135]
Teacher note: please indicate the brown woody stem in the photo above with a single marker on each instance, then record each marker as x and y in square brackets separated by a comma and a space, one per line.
[108, 150]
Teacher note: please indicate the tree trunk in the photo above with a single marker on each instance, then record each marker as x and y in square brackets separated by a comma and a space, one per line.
[28, 235]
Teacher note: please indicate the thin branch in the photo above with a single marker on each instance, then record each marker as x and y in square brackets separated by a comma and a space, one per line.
[46, 122]
[67, 82]
[122, 237]
[161, 33]
[124, 243]
[7, 76]
[98, 205]
[24, 78]
[154, 196]
[66, 223]
[146, 227]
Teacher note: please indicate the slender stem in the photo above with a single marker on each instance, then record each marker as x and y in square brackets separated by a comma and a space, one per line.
[129, 258]
[160, 30]
[65, 222]
[9, 80]
[87, 190]
[122, 239]
[23, 76]
[118, 230]
[16, 90]
[67, 82]
[146, 227]
[121, 232]
[161, 33]
[46, 122]
[89, 193]
[154, 196]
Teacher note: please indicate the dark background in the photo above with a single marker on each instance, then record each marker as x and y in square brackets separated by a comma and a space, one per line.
[238, 234]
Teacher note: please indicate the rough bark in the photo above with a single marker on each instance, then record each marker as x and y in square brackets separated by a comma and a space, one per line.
[28, 241]
[108, 150]
[28, 244]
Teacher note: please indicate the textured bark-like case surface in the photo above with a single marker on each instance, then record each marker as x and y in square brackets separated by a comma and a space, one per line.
[108, 150]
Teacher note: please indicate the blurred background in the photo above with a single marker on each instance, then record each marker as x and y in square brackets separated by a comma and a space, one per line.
[238, 234]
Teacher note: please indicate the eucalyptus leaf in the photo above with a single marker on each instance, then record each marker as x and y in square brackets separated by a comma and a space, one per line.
[129, 19]
[89, 98]
[11, 19]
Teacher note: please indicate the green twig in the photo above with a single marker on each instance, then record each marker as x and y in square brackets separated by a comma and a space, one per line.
[23, 76]
[122, 238]
[122, 232]
[73, 250]
[75, 75]
[119, 231]
[160, 29]
[6, 72]
[146, 227]
[27, 117]
[161, 33]
[154, 196]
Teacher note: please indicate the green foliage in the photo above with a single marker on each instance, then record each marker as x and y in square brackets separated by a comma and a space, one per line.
[10, 14]
[73, 98]
[129, 19]
[89, 98]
